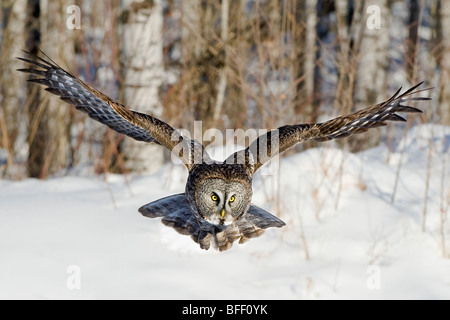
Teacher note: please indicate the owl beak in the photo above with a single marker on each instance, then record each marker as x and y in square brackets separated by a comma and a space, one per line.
[222, 213]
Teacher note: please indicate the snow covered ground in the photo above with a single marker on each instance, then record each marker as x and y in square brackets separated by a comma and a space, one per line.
[82, 237]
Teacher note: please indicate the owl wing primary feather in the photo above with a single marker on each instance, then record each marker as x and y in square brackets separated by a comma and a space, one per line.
[276, 141]
[96, 105]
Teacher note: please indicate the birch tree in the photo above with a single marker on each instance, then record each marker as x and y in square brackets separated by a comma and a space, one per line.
[236, 55]
[344, 89]
[310, 50]
[373, 59]
[11, 97]
[444, 94]
[143, 63]
[37, 114]
[57, 40]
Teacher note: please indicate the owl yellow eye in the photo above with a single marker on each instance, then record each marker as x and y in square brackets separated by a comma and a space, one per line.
[214, 197]
[232, 199]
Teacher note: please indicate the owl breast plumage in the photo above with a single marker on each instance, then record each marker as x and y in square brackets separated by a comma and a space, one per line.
[215, 209]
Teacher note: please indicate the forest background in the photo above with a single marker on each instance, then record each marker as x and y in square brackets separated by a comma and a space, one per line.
[231, 64]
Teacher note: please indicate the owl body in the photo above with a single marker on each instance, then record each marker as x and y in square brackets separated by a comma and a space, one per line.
[210, 220]
[216, 207]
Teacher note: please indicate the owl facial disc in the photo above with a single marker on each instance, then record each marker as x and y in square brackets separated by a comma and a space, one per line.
[221, 202]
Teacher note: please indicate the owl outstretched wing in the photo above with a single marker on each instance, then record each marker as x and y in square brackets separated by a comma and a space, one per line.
[276, 141]
[96, 105]
[176, 213]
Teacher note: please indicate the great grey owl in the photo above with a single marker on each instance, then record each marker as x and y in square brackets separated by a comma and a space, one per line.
[216, 206]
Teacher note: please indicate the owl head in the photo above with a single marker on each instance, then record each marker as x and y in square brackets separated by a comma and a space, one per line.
[220, 195]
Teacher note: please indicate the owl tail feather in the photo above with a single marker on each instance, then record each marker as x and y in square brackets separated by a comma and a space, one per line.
[176, 213]
[251, 225]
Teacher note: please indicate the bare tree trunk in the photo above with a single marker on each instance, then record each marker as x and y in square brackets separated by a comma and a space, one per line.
[372, 68]
[57, 42]
[304, 17]
[351, 25]
[413, 37]
[344, 88]
[37, 115]
[202, 58]
[310, 52]
[235, 105]
[94, 146]
[444, 94]
[373, 60]
[222, 85]
[12, 102]
[142, 51]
